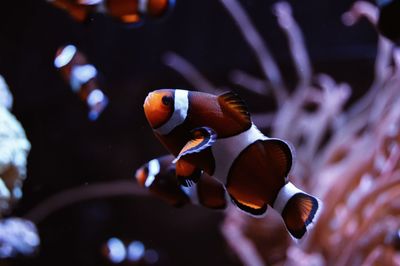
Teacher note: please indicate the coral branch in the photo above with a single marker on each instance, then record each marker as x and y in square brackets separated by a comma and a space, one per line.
[296, 42]
[242, 246]
[384, 54]
[358, 10]
[86, 192]
[189, 72]
[250, 82]
[261, 51]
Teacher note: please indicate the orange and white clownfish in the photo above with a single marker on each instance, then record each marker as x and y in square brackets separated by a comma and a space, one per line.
[215, 134]
[158, 175]
[132, 12]
[79, 10]
[82, 77]
[137, 11]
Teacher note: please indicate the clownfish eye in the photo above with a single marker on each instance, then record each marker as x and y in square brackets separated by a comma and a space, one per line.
[167, 100]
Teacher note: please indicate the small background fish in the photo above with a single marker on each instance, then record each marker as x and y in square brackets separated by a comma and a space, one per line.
[159, 176]
[82, 78]
[127, 12]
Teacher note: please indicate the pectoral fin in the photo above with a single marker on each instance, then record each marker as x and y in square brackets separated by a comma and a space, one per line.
[202, 138]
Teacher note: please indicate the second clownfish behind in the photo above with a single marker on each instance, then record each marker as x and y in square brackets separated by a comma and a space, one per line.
[215, 134]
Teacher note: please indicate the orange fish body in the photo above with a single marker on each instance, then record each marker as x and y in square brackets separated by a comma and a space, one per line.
[82, 77]
[215, 134]
[158, 175]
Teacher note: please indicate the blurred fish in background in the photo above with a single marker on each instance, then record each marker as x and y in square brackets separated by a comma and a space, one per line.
[159, 176]
[82, 77]
[127, 12]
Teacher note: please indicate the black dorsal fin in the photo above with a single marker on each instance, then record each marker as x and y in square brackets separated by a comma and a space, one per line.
[232, 103]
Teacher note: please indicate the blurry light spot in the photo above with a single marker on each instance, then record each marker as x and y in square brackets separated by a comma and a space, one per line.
[393, 130]
[154, 169]
[135, 250]
[149, 180]
[6, 98]
[17, 192]
[4, 192]
[33, 240]
[117, 251]
[6, 251]
[82, 74]
[151, 256]
[97, 102]
[95, 97]
[90, 2]
[142, 6]
[366, 182]
[65, 56]
[379, 162]
[31, 237]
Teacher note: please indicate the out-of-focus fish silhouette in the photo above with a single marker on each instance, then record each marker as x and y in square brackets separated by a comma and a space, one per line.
[128, 12]
[215, 134]
[158, 175]
[82, 78]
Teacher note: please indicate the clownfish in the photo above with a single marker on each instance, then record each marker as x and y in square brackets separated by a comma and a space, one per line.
[158, 175]
[136, 11]
[82, 77]
[215, 134]
[79, 10]
[389, 19]
[132, 12]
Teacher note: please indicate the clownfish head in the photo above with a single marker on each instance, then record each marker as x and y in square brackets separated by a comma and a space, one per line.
[146, 175]
[166, 109]
[159, 177]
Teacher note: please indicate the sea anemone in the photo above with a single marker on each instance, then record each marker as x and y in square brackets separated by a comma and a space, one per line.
[347, 154]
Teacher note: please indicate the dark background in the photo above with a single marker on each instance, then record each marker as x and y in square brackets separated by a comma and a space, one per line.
[68, 150]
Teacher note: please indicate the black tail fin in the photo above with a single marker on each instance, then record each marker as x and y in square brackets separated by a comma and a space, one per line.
[298, 209]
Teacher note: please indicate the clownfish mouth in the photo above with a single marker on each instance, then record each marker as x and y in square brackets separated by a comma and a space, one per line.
[147, 101]
[147, 106]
